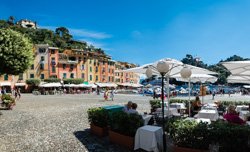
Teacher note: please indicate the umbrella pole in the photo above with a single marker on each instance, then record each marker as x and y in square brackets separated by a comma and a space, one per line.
[189, 97]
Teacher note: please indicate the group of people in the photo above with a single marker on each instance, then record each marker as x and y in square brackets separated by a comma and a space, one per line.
[16, 92]
[110, 94]
[130, 107]
[232, 116]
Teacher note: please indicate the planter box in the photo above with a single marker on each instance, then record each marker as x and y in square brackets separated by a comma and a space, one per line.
[183, 149]
[99, 131]
[122, 140]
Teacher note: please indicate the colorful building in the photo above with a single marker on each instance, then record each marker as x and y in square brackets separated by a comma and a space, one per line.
[92, 66]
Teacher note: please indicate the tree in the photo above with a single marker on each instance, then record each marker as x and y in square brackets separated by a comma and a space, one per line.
[15, 52]
[63, 33]
[11, 20]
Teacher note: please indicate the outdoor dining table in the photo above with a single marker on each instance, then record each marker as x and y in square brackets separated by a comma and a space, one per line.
[149, 138]
[209, 114]
[244, 114]
[172, 111]
[177, 105]
[199, 120]
[241, 107]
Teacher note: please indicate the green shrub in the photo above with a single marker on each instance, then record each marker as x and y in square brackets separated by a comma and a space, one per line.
[73, 81]
[126, 124]
[155, 104]
[7, 99]
[189, 134]
[33, 82]
[98, 116]
[231, 137]
[49, 80]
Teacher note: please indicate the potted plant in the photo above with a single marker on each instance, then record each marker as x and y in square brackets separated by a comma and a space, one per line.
[189, 136]
[7, 101]
[154, 105]
[123, 128]
[98, 118]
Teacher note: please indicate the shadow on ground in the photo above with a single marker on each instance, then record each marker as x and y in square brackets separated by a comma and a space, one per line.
[98, 144]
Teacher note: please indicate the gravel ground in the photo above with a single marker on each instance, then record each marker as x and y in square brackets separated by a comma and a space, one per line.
[57, 123]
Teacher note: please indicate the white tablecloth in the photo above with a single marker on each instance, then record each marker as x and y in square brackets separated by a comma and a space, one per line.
[146, 118]
[199, 120]
[149, 138]
[241, 107]
[177, 105]
[172, 111]
[244, 115]
[208, 114]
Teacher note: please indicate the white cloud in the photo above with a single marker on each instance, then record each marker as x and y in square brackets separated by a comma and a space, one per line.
[136, 34]
[89, 34]
[82, 33]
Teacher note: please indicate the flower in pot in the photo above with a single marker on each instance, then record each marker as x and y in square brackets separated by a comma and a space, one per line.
[8, 101]
[98, 118]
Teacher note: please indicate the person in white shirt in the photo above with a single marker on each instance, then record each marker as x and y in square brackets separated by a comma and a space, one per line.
[127, 107]
[133, 108]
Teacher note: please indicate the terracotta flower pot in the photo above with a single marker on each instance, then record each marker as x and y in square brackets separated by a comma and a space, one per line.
[122, 140]
[99, 131]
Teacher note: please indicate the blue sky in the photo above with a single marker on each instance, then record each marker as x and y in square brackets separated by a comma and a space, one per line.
[143, 31]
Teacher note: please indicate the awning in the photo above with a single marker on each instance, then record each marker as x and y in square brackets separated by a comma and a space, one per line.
[130, 85]
[106, 85]
[20, 84]
[5, 83]
[48, 85]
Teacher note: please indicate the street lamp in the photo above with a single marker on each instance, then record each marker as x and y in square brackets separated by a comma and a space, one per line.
[186, 73]
[163, 68]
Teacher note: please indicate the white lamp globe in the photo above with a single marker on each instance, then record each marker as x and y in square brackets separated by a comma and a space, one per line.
[149, 72]
[162, 67]
[186, 72]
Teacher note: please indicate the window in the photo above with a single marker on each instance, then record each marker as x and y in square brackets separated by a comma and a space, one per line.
[6, 77]
[90, 77]
[96, 69]
[42, 58]
[53, 69]
[109, 70]
[109, 79]
[82, 66]
[90, 61]
[64, 66]
[31, 75]
[82, 75]
[72, 75]
[90, 69]
[103, 70]
[52, 51]
[42, 76]
[32, 67]
[79, 59]
[42, 50]
[64, 75]
[20, 77]
[41, 66]
[96, 78]
[71, 66]
[53, 61]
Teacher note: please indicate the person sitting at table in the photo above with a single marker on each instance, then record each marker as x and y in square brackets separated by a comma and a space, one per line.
[220, 108]
[127, 107]
[196, 106]
[133, 108]
[232, 116]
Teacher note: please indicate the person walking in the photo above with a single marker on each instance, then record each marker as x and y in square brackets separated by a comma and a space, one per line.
[112, 94]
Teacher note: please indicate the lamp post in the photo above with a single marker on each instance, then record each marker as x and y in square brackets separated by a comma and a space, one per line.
[162, 67]
[186, 73]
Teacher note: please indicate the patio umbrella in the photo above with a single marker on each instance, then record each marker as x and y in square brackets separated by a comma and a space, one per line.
[238, 79]
[197, 78]
[238, 67]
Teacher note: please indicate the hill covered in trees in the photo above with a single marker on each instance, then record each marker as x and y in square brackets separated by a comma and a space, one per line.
[60, 38]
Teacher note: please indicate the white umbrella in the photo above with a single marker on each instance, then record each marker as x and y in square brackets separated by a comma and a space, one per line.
[197, 78]
[5, 83]
[48, 85]
[106, 85]
[238, 79]
[238, 67]
[175, 67]
[20, 84]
